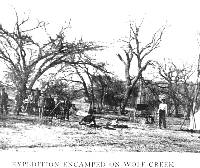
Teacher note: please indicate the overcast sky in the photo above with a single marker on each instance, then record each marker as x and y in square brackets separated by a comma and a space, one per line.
[107, 21]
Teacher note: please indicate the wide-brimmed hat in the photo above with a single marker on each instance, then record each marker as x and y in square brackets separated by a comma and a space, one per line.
[162, 97]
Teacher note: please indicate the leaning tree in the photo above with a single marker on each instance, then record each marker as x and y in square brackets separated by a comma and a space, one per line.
[28, 59]
[135, 49]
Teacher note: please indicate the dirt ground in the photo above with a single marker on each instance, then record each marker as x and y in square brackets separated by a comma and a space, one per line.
[28, 133]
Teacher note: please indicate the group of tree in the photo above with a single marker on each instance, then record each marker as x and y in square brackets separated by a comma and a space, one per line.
[92, 81]
[28, 60]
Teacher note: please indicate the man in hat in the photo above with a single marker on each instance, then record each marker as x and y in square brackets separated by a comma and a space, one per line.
[162, 112]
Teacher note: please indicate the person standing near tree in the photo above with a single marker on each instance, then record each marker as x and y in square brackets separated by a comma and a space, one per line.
[30, 103]
[41, 103]
[68, 105]
[162, 112]
[4, 102]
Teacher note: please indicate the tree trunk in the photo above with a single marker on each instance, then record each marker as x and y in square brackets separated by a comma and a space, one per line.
[139, 97]
[176, 106]
[127, 95]
[130, 88]
[189, 109]
[20, 97]
[93, 98]
[176, 110]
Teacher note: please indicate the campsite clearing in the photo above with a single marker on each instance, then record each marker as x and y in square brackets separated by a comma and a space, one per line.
[26, 133]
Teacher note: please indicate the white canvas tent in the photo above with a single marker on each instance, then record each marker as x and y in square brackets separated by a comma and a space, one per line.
[195, 121]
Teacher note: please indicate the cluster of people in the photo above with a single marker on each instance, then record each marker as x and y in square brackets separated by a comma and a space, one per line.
[31, 103]
[46, 105]
[37, 102]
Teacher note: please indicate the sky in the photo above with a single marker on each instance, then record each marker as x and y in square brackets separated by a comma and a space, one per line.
[107, 21]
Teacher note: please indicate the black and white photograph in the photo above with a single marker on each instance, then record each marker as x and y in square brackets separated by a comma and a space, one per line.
[99, 83]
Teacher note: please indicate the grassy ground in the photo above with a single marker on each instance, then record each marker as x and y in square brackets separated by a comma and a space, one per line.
[27, 133]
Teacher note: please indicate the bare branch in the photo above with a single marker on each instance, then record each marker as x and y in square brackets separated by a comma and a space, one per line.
[121, 59]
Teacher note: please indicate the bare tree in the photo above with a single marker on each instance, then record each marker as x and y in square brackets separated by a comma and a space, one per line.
[86, 75]
[134, 49]
[27, 59]
[187, 92]
[83, 73]
[175, 83]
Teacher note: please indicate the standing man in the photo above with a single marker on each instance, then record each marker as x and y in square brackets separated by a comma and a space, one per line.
[67, 108]
[29, 107]
[4, 102]
[162, 111]
[41, 103]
